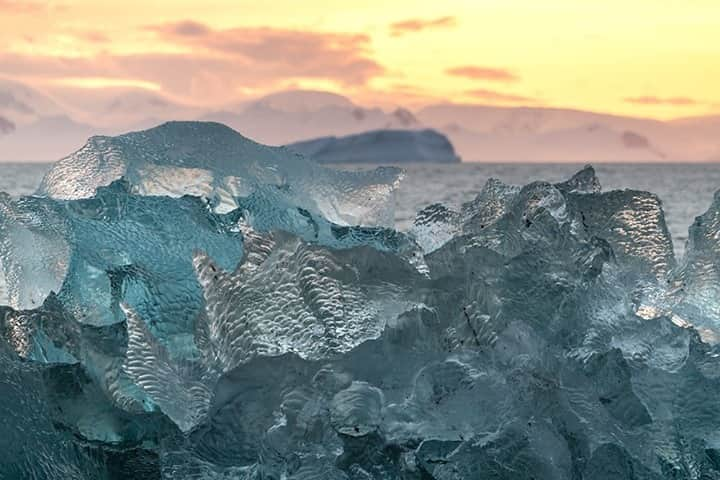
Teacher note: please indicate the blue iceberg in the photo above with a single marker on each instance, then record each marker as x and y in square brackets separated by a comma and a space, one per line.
[185, 303]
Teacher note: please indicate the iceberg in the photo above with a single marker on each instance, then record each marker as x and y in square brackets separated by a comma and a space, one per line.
[386, 146]
[185, 303]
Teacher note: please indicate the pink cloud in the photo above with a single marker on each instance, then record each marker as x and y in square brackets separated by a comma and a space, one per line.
[651, 100]
[27, 7]
[217, 64]
[483, 73]
[94, 36]
[187, 28]
[417, 25]
[199, 75]
[339, 56]
[493, 96]
[19, 6]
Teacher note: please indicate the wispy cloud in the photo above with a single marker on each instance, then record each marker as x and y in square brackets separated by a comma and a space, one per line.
[105, 82]
[651, 100]
[417, 25]
[18, 6]
[186, 28]
[93, 36]
[212, 64]
[342, 57]
[494, 96]
[24, 7]
[483, 73]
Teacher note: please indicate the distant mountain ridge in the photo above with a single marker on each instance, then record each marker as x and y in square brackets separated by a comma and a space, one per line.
[389, 147]
[308, 101]
[478, 132]
[44, 140]
[21, 104]
[6, 126]
[289, 117]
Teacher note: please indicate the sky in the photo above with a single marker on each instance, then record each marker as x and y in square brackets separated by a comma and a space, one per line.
[647, 58]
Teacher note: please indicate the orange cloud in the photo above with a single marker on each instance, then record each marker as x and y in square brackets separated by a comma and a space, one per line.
[19, 6]
[416, 25]
[483, 73]
[93, 36]
[212, 64]
[493, 96]
[338, 56]
[650, 100]
[217, 64]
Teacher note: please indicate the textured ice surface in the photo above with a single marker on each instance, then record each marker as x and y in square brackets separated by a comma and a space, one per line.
[114, 247]
[213, 161]
[543, 331]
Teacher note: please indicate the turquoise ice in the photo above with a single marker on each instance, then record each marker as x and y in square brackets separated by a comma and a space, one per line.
[185, 303]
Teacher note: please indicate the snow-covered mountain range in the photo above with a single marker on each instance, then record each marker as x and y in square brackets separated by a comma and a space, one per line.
[35, 126]
[6, 126]
[23, 105]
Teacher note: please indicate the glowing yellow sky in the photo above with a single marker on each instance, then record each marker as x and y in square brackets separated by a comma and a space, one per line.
[656, 58]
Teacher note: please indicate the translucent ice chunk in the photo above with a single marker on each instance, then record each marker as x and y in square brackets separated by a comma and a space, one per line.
[437, 224]
[542, 332]
[115, 247]
[697, 281]
[39, 438]
[35, 250]
[45, 335]
[181, 389]
[215, 162]
[303, 299]
[633, 223]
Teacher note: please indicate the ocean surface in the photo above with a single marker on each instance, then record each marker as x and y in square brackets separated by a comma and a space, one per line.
[685, 190]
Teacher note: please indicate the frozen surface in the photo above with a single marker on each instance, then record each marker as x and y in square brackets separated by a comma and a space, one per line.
[543, 331]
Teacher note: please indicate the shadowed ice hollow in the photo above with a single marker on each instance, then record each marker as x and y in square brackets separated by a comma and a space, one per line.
[185, 303]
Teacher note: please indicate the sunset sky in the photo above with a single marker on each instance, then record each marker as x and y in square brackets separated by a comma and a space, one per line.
[646, 58]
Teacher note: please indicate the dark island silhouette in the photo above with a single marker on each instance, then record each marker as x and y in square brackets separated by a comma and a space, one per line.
[381, 146]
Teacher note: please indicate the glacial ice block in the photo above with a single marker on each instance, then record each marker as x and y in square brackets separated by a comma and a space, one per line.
[696, 283]
[225, 310]
[632, 222]
[213, 161]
